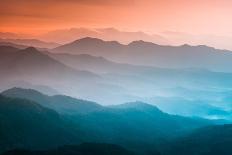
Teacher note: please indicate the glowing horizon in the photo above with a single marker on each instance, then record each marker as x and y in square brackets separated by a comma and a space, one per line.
[207, 20]
[209, 17]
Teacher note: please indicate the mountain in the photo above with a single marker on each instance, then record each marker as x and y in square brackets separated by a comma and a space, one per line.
[138, 126]
[32, 63]
[13, 45]
[93, 63]
[36, 67]
[140, 106]
[83, 149]
[147, 53]
[26, 124]
[110, 82]
[41, 88]
[31, 42]
[92, 46]
[60, 103]
[191, 107]
[168, 88]
[120, 82]
[178, 38]
[212, 140]
[67, 35]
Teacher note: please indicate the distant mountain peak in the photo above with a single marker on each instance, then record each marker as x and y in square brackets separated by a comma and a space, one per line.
[196, 46]
[88, 44]
[31, 42]
[61, 103]
[88, 39]
[142, 43]
[94, 40]
[186, 45]
[138, 103]
[139, 106]
[30, 49]
[15, 91]
[88, 56]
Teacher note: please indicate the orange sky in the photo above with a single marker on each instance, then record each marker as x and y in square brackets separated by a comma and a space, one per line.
[189, 16]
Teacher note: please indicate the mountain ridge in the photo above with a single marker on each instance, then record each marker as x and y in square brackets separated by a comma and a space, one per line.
[31, 42]
[61, 103]
[30, 60]
[148, 53]
[26, 124]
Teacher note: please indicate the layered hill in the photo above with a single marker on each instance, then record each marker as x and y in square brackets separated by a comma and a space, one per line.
[31, 42]
[147, 53]
[26, 124]
[124, 124]
[30, 61]
[60, 103]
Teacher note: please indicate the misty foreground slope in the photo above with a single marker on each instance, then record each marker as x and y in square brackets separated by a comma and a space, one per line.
[107, 82]
[200, 92]
[136, 126]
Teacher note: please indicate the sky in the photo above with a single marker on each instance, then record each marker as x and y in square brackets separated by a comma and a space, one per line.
[195, 17]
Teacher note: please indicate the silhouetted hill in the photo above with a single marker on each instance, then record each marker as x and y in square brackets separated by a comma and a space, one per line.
[31, 42]
[26, 124]
[130, 124]
[138, 126]
[91, 46]
[68, 35]
[32, 63]
[36, 67]
[60, 103]
[93, 63]
[147, 53]
[12, 45]
[83, 149]
[212, 140]
[141, 106]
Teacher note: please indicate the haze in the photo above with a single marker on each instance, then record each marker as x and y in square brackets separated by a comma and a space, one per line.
[179, 21]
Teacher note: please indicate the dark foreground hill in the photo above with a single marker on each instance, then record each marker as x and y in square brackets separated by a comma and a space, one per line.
[212, 140]
[60, 103]
[83, 149]
[26, 124]
[137, 126]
